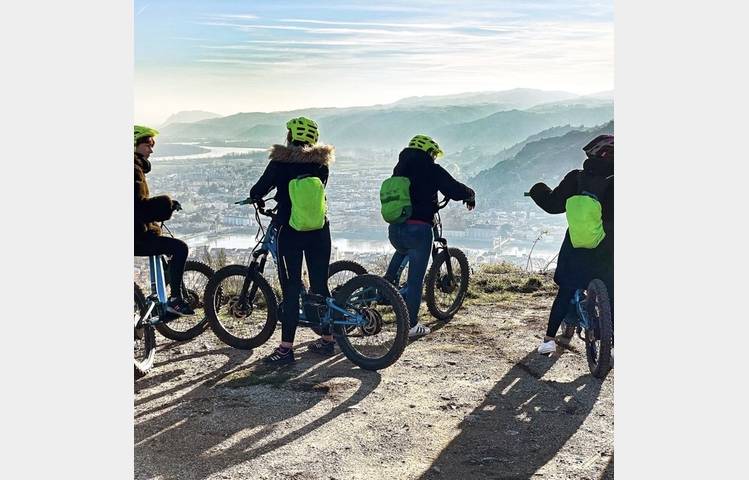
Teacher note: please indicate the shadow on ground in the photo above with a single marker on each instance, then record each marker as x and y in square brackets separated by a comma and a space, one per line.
[235, 413]
[522, 424]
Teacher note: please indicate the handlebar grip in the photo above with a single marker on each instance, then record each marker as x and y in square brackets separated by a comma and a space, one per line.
[527, 194]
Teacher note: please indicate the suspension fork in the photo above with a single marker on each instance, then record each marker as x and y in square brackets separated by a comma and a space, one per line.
[249, 289]
[441, 246]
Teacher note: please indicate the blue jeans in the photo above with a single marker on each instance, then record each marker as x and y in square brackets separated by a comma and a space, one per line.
[415, 242]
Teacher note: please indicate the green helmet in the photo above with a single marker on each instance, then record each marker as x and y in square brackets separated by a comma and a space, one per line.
[142, 132]
[303, 129]
[423, 142]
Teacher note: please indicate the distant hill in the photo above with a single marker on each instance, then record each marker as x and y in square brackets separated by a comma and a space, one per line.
[473, 159]
[503, 129]
[518, 98]
[546, 160]
[592, 100]
[189, 116]
[394, 127]
[485, 126]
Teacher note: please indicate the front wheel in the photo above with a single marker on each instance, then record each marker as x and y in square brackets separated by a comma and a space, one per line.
[341, 272]
[240, 321]
[600, 337]
[144, 346]
[381, 338]
[194, 281]
[444, 292]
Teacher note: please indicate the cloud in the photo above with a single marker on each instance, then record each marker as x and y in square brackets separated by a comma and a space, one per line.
[375, 50]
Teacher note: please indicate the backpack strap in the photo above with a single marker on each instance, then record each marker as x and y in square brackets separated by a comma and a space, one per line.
[592, 186]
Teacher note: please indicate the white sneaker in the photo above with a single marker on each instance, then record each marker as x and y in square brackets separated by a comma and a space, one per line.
[547, 347]
[418, 330]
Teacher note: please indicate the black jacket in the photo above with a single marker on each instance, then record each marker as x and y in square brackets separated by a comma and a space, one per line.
[286, 164]
[149, 211]
[427, 178]
[576, 267]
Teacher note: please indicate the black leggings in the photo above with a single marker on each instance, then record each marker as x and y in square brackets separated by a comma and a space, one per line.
[315, 246]
[158, 245]
[562, 304]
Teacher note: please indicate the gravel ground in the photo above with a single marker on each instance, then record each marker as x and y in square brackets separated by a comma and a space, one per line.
[471, 400]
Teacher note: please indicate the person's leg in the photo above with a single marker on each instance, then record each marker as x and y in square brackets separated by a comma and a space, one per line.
[418, 238]
[178, 250]
[290, 278]
[317, 256]
[559, 309]
[394, 235]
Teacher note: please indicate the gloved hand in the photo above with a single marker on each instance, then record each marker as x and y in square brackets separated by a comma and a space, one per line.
[259, 202]
[470, 203]
[538, 190]
[176, 205]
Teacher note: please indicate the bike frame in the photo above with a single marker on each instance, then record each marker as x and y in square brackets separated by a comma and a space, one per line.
[268, 243]
[158, 297]
[582, 315]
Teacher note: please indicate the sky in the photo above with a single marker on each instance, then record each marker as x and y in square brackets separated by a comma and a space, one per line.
[241, 56]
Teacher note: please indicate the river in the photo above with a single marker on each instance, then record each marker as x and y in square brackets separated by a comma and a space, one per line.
[213, 152]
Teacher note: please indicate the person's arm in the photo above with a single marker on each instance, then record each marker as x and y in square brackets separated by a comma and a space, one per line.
[553, 201]
[451, 188]
[265, 183]
[150, 209]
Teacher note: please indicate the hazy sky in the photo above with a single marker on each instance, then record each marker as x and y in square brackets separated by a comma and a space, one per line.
[238, 56]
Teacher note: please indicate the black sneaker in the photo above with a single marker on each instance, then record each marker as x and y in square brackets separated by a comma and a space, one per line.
[179, 307]
[322, 347]
[280, 356]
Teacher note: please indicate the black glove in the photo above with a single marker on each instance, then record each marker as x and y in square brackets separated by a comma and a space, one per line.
[470, 203]
[538, 189]
[259, 202]
[176, 205]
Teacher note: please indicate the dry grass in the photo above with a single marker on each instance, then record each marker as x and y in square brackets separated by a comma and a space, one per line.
[503, 282]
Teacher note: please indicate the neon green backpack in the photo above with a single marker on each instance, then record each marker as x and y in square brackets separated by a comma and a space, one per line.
[308, 203]
[395, 199]
[584, 213]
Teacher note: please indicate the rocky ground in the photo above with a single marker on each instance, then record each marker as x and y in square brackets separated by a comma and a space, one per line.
[471, 400]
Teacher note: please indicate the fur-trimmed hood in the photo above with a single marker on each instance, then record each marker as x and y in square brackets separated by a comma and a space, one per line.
[320, 154]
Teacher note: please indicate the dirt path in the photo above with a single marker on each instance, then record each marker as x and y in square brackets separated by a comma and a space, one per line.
[472, 400]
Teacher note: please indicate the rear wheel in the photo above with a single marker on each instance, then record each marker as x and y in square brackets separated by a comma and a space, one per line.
[243, 323]
[380, 341]
[194, 281]
[445, 293]
[600, 337]
[144, 346]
